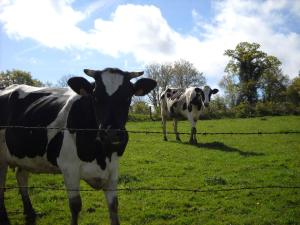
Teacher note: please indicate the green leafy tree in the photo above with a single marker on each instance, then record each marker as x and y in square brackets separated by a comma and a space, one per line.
[249, 64]
[293, 91]
[231, 89]
[17, 77]
[140, 107]
[273, 83]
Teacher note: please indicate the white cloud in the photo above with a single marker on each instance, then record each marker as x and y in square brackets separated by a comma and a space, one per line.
[52, 23]
[142, 31]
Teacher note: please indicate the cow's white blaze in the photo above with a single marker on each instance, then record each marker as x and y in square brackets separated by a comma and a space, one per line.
[111, 81]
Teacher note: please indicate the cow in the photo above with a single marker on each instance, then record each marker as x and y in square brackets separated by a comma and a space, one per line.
[92, 155]
[187, 103]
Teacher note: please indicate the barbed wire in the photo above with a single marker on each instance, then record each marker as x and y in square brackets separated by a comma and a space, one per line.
[136, 189]
[152, 132]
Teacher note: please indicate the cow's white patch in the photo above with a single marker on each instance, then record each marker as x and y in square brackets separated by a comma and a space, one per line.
[24, 90]
[206, 91]
[111, 81]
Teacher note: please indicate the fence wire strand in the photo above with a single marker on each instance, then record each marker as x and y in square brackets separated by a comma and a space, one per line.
[152, 132]
[146, 132]
[136, 189]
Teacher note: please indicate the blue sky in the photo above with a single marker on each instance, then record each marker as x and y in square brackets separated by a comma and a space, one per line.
[54, 38]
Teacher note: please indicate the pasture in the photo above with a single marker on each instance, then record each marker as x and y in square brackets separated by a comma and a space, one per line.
[217, 162]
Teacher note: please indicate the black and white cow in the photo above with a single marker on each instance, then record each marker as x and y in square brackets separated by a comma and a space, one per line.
[176, 102]
[77, 154]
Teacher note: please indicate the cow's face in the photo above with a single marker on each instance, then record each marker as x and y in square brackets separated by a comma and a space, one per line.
[206, 95]
[112, 93]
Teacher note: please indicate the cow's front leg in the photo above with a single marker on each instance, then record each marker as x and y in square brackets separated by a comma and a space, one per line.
[175, 122]
[72, 183]
[112, 201]
[192, 136]
[164, 124]
[3, 214]
[193, 139]
[22, 179]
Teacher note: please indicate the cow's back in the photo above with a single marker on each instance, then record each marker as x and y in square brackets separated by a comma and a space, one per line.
[23, 108]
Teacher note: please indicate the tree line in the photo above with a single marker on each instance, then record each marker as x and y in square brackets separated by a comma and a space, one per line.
[253, 84]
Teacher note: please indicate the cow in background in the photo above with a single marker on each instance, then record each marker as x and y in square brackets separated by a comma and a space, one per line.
[94, 114]
[187, 103]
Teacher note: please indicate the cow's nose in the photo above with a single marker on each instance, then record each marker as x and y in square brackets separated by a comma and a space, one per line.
[206, 104]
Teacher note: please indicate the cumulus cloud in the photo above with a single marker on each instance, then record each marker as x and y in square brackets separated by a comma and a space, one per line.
[142, 31]
[52, 23]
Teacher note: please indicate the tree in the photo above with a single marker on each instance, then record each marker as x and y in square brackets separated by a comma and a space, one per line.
[293, 91]
[231, 89]
[248, 63]
[273, 83]
[140, 107]
[17, 77]
[180, 74]
[63, 81]
[162, 73]
[186, 75]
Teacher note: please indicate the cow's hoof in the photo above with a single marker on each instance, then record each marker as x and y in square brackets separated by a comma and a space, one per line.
[165, 139]
[193, 142]
[178, 139]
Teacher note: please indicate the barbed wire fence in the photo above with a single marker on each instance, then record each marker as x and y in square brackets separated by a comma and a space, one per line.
[152, 132]
[146, 132]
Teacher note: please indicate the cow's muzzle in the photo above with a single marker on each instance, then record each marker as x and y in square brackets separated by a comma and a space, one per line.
[114, 136]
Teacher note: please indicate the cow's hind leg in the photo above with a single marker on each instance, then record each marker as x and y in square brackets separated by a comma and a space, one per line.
[164, 124]
[112, 201]
[22, 179]
[3, 214]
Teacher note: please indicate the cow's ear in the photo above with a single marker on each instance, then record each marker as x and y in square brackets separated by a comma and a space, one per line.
[215, 91]
[144, 86]
[80, 85]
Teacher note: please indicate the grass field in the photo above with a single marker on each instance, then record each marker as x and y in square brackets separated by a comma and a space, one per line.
[217, 162]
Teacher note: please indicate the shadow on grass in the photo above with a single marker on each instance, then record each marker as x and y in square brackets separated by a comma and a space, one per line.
[222, 147]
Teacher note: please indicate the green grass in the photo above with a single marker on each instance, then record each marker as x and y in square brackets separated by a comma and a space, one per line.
[217, 162]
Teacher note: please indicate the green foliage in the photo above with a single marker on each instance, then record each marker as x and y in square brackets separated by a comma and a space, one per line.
[18, 77]
[217, 162]
[140, 107]
[254, 70]
[293, 91]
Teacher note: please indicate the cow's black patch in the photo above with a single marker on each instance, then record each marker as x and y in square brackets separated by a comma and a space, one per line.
[53, 148]
[168, 95]
[190, 107]
[172, 109]
[92, 144]
[37, 109]
[197, 101]
[184, 106]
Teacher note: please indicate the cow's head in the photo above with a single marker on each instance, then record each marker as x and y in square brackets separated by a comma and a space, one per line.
[111, 92]
[206, 94]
